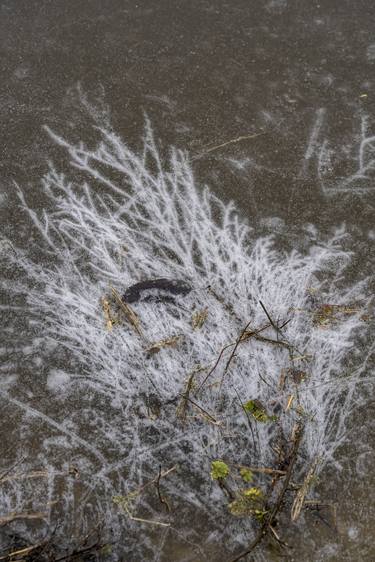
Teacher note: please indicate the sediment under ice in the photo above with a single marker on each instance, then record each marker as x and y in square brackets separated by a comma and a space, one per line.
[114, 218]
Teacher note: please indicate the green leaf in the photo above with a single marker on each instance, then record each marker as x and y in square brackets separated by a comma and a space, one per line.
[219, 470]
[106, 550]
[258, 411]
[248, 502]
[246, 474]
[254, 494]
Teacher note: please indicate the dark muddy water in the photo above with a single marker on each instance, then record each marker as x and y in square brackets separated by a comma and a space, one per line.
[275, 103]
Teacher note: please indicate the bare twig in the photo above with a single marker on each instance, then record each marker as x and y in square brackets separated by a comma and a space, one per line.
[246, 337]
[274, 326]
[210, 416]
[159, 476]
[23, 551]
[9, 470]
[24, 515]
[233, 352]
[162, 499]
[228, 307]
[264, 470]
[298, 432]
[247, 417]
[182, 407]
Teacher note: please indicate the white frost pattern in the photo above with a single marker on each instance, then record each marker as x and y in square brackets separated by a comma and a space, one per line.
[356, 160]
[118, 217]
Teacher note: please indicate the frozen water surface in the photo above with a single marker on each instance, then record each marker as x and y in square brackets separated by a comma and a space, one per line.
[229, 146]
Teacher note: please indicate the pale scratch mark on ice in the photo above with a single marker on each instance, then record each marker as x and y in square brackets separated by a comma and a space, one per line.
[365, 159]
[313, 143]
[50, 421]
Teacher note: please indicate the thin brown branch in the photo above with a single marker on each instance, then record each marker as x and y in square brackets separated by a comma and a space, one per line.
[247, 417]
[24, 515]
[264, 470]
[228, 307]
[23, 552]
[245, 338]
[153, 481]
[297, 436]
[233, 352]
[210, 416]
[182, 407]
[162, 499]
[9, 470]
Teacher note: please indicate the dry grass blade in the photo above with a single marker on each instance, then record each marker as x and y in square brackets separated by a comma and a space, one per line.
[182, 407]
[199, 318]
[169, 342]
[264, 470]
[109, 322]
[30, 475]
[274, 326]
[149, 521]
[290, 401]
[162, 499]
[23, 552]
[24, 515]
[301, 494]
[129, 313]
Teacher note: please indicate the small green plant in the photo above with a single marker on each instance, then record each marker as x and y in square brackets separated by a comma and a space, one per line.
[219, 470]
[249, 502]
[247, 475]
[258, 411]
[106, 550]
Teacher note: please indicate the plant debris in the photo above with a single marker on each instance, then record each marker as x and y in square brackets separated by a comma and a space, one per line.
[159, 345]
[249, 502]
[258, 411]
[199, 318]
[219, 470]
[129, 313]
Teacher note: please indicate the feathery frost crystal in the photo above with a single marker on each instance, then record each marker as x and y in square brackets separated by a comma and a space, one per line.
[115, 218]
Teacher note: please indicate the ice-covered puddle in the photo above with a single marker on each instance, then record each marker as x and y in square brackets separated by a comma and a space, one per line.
[174, 423]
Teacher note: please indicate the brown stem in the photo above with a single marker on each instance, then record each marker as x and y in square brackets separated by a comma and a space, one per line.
[298, 432]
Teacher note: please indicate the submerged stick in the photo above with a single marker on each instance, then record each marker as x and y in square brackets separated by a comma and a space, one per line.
[25, 515]
[298, 432]
[162, 499]
[182, 407]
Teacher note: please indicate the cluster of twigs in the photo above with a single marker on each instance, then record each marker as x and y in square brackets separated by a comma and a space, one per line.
[280, 478]
[222, 372]
[286, 458]
[49, 548]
